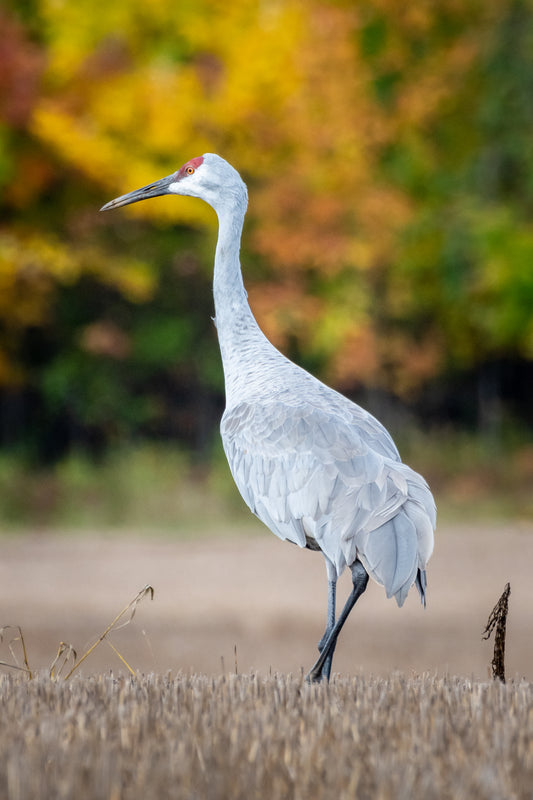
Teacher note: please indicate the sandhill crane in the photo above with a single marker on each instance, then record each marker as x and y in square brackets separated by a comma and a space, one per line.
[317, 469]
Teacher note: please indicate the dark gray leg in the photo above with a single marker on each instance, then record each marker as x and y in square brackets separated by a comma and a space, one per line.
[360, 580]
[330, 621]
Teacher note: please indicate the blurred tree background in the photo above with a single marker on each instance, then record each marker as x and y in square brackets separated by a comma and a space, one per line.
[389, 243]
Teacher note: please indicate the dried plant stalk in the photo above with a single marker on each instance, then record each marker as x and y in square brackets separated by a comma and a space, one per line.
[116, 652]
[64, 654]
[10, 643]
[498, 620]
[113, 626]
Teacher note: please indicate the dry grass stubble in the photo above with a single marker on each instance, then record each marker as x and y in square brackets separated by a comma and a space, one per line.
[247, 738]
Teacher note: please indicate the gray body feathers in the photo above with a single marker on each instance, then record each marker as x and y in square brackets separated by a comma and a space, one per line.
[312, 465]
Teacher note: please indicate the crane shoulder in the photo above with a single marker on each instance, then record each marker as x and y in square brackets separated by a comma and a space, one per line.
[262, 385]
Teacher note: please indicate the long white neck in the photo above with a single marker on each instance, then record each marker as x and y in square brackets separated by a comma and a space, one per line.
[242, 343]
[228, 289]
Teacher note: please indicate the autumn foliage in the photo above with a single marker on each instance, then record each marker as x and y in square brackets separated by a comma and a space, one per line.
[387, 149]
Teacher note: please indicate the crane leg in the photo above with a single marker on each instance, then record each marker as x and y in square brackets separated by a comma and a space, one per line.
[330, 621]
[360, 581]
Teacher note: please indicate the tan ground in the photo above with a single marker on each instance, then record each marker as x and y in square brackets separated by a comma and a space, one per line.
[267, 599]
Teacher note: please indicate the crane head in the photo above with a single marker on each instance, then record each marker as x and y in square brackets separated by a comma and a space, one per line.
[208, 177]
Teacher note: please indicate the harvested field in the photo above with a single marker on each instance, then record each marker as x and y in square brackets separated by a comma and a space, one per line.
[392, 723]
[246, 737]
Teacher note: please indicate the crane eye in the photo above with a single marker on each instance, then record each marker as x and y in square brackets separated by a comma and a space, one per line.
[190, 170]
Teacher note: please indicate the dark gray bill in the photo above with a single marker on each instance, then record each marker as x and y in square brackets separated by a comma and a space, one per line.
[156, 189]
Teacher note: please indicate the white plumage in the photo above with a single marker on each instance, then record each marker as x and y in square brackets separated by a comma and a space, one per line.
[317, 469]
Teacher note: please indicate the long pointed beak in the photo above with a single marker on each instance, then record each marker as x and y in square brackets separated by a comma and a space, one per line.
[156, 189]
